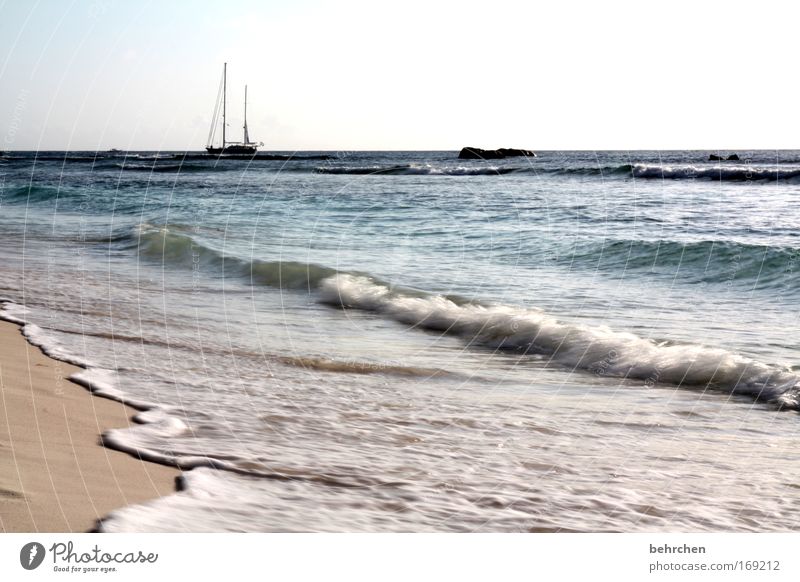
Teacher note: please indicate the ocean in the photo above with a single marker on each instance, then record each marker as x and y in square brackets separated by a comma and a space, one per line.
[406, 341]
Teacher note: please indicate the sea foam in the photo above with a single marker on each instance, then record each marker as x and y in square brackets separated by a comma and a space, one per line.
[594, 349]
[599, 350]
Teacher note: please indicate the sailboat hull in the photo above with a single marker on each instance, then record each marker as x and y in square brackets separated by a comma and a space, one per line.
[235, 150]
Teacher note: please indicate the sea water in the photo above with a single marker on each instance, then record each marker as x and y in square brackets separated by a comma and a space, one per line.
[406, 341]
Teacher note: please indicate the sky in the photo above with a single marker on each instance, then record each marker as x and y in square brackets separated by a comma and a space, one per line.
[423, 75]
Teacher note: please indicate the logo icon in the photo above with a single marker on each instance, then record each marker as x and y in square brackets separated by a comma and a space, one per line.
[31, 555]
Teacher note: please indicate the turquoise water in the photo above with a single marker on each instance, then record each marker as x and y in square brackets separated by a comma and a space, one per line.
[405, 341]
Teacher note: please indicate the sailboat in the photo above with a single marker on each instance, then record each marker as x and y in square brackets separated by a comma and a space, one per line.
[240, 148]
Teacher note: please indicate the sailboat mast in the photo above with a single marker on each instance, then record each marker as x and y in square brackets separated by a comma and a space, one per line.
[236, 148]
[246, 137]
[224, 94]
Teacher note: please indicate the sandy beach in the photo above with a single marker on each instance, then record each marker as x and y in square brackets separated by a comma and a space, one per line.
[54, 474]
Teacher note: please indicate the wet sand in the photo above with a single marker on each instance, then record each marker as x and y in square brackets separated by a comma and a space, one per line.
[55, 476]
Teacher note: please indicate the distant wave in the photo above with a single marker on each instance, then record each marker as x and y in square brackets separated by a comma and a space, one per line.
[171, 167]
[708, 261]
[760, 172]
[94, 157]
[724, 173]
[417, 169]
[610, 171]
[34, 194]
[593, 349]
[271, 157]
[85, 158]
[719, 172]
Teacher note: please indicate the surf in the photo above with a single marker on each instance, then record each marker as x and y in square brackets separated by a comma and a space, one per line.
[598, 350]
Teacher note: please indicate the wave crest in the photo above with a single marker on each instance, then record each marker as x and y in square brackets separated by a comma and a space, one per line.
[417, 169]
[181, 250]
[595, 349]
[726, 173]
[599, 350]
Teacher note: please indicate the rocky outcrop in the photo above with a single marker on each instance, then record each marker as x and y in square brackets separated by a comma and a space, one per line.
[730, 158]
[470, 153]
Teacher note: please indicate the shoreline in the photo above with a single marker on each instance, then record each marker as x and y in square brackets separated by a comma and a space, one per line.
[55, 474]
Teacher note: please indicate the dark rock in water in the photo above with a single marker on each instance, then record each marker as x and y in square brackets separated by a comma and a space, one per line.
[730, 158]
[481, 154]
[516, 153]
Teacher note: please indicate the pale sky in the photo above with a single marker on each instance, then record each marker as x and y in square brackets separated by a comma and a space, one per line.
[355, 75]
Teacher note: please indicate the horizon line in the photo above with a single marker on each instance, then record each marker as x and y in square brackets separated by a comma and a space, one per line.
[638, 149]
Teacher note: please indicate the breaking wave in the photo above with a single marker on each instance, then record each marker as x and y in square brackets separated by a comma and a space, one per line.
[418, 169]
[724, 173]
[598, 349]
[593, 349]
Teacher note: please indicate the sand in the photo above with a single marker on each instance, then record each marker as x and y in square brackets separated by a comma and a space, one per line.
[54, 474]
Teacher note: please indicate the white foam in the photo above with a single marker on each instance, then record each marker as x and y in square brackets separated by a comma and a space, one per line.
[14, 312]
[151, 420]
[105, 383]
[49, 345]
[733, 172]
[596, 349]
